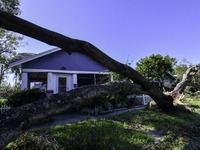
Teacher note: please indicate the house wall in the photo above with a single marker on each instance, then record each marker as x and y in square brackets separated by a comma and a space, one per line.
[61, 60]
[61, 64]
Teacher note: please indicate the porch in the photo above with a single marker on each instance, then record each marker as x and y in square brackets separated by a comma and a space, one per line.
[61, 81]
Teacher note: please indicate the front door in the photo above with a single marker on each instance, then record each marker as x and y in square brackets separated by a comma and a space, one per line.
[63, 83]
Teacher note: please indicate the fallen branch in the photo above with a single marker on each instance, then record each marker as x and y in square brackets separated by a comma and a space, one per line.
[20, 119]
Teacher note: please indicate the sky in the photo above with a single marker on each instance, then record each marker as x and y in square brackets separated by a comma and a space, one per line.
[123, 29]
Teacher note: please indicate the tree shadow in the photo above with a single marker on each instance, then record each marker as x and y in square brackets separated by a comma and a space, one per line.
[96, 134]
[180, 127]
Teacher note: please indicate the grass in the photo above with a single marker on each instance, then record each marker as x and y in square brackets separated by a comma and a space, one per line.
[180, 130]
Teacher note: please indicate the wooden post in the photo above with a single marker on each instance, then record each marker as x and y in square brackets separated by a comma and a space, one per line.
[24, 80]
[75, 81]
[49, 81]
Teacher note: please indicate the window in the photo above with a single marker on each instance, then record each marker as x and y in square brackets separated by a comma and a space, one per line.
[62, 84]
[85, 79]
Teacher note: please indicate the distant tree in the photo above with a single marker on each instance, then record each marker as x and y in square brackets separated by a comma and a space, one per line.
[8, 40]
[16, 70]
[155, 67]
[180, 68]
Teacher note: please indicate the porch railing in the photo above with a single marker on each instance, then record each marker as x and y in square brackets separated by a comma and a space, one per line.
[144, 99]
[4, 108]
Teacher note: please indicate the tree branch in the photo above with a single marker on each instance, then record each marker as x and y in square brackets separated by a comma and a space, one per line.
[180, 87]
[70, 45]
[20, 119]
[193, 84]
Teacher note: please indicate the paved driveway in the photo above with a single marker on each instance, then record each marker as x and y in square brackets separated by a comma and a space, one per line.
[75, 117]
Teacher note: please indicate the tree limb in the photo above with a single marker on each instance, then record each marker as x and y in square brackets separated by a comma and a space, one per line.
[196, 85]
[70, 45]
[20, 119]
[180, 87]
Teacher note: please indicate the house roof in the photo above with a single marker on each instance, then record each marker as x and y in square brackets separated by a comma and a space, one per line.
[26, 57]
[21, 56]
[171, 76]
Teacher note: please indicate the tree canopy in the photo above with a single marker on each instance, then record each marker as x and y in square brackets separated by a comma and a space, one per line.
[9, 40]
[155, 67]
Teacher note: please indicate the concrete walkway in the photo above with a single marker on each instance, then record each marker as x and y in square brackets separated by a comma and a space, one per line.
[75, 117]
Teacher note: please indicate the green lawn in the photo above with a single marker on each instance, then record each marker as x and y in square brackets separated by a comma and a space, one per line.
[180, 130]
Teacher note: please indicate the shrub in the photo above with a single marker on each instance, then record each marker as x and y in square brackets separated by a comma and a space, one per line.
[121, 105]
[6, 91]
[118, 98]
[92, 111]
[98, 105]
[25, 96]
[30, 141]
[108, 106]
[3, 101]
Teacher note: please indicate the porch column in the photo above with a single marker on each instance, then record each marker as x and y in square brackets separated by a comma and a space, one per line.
[24, 81]
[75, 80]
[49, 81]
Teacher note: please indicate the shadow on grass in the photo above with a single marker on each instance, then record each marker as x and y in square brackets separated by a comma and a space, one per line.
[195, 106]
[181, 129]
[97, 134]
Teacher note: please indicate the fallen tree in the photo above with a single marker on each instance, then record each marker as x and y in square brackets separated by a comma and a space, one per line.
[19, 120]
[177, 92]
[70, 45]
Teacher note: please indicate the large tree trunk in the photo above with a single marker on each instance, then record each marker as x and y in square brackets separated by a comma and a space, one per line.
[70, 45]
[20, 119]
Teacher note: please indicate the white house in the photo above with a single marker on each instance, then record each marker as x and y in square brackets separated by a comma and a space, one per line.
[59, 71]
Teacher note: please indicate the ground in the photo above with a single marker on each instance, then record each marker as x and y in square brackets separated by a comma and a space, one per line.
[137, 129]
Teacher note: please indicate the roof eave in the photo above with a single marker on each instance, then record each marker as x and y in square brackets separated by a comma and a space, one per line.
[33, 57]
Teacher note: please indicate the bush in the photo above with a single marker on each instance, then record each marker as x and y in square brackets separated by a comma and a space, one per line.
[26, 96]
[3, 101]
[92, 111]
[108, 106]
[30, 141]
[121, 105]
[106, 103]
[6, 91]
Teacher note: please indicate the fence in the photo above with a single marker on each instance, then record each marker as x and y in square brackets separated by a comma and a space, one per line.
[4, 108]
[144, 99]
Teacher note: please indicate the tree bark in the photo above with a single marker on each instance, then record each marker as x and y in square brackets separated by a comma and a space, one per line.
[70, 45]
[177, 93]
[20, 119]
[180, 87]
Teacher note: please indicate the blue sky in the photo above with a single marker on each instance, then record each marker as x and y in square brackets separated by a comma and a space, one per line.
[123, 29]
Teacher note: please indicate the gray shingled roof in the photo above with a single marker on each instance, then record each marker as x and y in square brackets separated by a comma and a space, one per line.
[21, 56]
